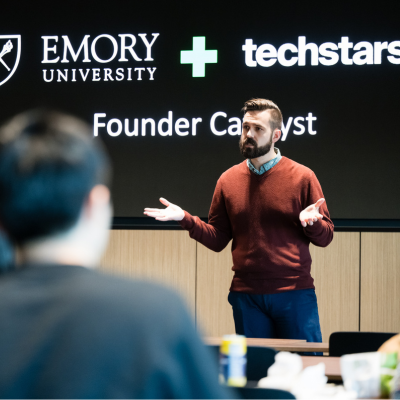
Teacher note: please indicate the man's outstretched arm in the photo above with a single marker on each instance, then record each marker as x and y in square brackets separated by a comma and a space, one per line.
[215, 235]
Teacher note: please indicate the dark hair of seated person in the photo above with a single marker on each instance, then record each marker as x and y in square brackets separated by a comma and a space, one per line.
[49, 162]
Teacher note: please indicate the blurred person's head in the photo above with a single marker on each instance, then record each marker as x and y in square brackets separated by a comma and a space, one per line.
[54, 196]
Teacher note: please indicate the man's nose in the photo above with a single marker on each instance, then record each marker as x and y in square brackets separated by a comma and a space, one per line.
[250, 133]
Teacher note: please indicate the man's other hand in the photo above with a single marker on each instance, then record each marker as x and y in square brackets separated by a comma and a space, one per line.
[171, 213]
[311, 214]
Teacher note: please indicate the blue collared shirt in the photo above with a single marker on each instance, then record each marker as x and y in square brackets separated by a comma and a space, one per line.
[265, 167]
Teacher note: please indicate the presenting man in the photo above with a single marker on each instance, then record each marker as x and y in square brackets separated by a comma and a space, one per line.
[272, 208]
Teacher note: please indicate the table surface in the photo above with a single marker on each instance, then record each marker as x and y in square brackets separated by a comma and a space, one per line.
[332, 365]
[279, 344]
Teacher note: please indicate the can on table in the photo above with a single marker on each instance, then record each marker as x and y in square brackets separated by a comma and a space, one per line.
[232, 360]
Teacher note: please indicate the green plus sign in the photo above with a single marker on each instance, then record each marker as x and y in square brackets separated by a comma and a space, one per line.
[199, 56]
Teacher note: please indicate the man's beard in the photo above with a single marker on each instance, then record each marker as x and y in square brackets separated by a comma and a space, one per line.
[255, 151]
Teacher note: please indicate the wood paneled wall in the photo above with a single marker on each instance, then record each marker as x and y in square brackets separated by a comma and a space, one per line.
[336, 273]
[380, 282]
[167, 257]
[214, 276]
[370, 261]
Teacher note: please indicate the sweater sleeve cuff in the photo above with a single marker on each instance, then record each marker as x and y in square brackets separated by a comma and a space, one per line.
[187, 222]
[315, 229]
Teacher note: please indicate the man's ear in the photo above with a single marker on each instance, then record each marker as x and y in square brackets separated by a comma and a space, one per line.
[98, 196]
[276, 135]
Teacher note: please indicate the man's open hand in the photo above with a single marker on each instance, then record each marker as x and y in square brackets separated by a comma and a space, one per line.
[171, 213]
[311, 214]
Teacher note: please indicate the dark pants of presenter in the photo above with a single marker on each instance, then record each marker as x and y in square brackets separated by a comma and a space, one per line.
[287, 315]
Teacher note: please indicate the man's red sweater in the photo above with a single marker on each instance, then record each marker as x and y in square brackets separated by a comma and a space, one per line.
[270, 248]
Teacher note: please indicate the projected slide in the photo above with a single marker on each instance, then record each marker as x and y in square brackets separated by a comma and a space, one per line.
[163, 87]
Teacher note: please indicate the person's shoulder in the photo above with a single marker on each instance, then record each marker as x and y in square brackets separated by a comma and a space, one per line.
[235, 171]
[141, 305]
[117, 289]
[82, 290]
[296, 168]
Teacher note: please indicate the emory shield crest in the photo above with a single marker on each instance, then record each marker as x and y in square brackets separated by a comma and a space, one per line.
[10, 51]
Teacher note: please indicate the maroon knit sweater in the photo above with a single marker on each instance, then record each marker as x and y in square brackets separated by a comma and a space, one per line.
[270, 248]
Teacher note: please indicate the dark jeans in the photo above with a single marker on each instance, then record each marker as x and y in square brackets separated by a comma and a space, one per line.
[287, 315]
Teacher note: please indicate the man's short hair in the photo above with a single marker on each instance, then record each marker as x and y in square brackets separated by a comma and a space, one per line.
[48, 165]
[264, 104]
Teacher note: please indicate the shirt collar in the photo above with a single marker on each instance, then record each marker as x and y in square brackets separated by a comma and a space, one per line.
[267, 166]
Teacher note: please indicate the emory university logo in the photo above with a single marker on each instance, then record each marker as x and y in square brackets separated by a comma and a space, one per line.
[10, 51]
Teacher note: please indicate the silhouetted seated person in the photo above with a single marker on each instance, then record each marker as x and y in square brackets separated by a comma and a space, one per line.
[66, 330]
[6, 252]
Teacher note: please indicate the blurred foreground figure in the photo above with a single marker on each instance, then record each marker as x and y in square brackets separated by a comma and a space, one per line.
[6, 253]
[68, 331]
